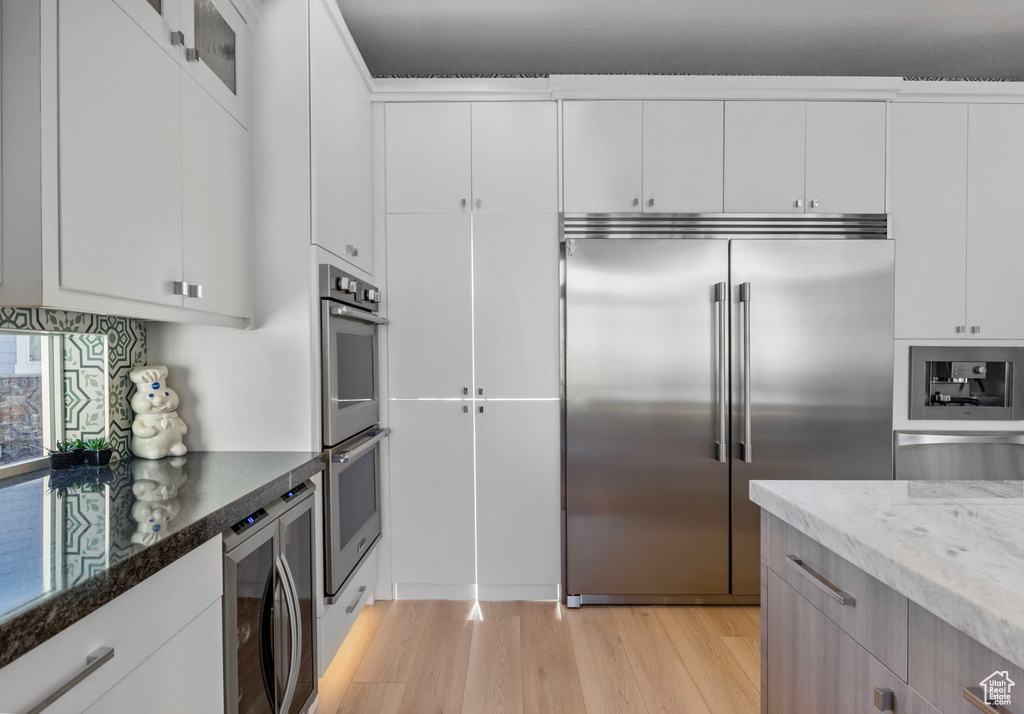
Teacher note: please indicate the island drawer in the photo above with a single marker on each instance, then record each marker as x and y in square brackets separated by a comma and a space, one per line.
[869, 611]
[134, 625]
[944, 661]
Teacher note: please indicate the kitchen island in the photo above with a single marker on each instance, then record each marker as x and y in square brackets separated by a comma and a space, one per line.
[902, 596]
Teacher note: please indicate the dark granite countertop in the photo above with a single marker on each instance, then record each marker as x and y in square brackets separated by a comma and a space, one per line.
[71, 541]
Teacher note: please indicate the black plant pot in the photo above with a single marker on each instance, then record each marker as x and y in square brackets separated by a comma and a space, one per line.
[98, 458]
[62, 460]
[79, 456]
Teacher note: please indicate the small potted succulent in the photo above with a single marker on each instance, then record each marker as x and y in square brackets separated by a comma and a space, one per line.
[78, 449]
[97, 452]
[61, 456]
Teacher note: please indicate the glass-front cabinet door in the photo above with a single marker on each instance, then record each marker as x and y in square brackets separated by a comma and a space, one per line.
[218, 55]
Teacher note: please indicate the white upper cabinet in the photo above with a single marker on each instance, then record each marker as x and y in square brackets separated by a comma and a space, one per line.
[928, 202]
[515, 157]
[516, 329]
[340, 142]
[995, 221]
[428, 164]
[764, 157]
[602, 154]
[845, 157]
[216, 203]
[429, 305]
[161, 20]
[120, 156]
[682, 157]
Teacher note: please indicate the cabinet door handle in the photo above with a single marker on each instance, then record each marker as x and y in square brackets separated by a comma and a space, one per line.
[195, 291]
[181, 287]
[94, 661]
[960, 329]
[177, 38]
[843, 598]
[975, 329]
[885, 700]
[355, 603]
[650, 203]
[463, 203]
[191, 54]
[814, 203]
[479, 203]
[636, 201]
[351, 250]
[799, 203]
[976, 697]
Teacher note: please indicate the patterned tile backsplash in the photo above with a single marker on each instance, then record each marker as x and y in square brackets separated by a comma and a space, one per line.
[98, 349]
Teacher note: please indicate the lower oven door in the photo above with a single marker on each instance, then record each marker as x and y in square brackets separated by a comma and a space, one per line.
[351, 505]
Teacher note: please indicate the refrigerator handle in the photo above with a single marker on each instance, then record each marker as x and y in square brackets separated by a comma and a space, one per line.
[722, 445]
[746, 446]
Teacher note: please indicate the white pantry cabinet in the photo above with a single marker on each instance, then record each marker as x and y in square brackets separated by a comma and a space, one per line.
[432, 510]
[461, 157]
[804, 157]
[429, 306]
[515, 305]
[518, 467]
[995, 221]
[140, 178]
[632, 156]
[956, 180]
[340, 142]
[428, 164]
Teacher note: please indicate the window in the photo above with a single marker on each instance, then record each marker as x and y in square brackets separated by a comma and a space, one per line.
[31, 411]
[215, 41]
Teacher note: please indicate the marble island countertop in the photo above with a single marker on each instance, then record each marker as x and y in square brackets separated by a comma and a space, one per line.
[76, 539]
[956, 548]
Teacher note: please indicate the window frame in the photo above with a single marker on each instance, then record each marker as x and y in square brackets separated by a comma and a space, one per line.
[52, 388]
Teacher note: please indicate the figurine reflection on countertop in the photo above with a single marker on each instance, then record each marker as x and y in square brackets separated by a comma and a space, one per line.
[155, 487]
[157, 429]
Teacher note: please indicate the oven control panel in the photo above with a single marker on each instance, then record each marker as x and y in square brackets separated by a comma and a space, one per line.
[337, 285]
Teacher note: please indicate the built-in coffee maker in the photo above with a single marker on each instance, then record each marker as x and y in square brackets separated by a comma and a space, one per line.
[983, 383]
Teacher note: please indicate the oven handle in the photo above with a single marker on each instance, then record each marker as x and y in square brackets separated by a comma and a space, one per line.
[344, 312]
[346, 456]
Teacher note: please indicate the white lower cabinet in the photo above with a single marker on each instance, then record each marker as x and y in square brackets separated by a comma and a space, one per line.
[184, 675]
[518, 486]
[337, 619]
[432, 515]
[137, 625]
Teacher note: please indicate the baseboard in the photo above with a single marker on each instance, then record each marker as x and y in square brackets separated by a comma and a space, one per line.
[435, 591]
[518, 592]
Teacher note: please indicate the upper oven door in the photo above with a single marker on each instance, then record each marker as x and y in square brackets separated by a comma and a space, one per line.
[349, 364]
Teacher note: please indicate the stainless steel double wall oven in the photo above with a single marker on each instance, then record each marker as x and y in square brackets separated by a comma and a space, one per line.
[351, 431]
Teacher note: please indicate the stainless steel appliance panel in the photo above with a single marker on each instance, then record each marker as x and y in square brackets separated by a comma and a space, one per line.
[349, 370]
[812, 356]
[959, 455]
[647, 492]
[352, 512]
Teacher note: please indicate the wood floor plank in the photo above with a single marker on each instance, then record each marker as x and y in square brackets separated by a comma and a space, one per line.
[494, 681]
[394, 648]
[754, 612]
[605, 674]
[372, 698]
[550, 682]
[746, 651]
[718, 675]
[342, 669]
[438, 679]
[665, 683]
[499, 608]
[730, 621]
[378, 606]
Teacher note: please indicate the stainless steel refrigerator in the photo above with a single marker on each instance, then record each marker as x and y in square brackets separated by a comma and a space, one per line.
[701, 353]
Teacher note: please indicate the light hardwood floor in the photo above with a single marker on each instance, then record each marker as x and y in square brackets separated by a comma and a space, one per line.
[441, 656]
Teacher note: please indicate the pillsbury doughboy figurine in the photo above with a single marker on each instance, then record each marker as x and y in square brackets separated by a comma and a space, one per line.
[157, 429]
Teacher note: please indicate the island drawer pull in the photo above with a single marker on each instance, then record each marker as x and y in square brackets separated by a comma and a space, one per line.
[843, 598]
[976, 696]
[94, 661]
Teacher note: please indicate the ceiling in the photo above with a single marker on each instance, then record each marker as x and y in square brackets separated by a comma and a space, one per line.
[891, 38]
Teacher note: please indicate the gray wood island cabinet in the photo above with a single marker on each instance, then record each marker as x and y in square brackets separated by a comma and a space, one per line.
[861, 583]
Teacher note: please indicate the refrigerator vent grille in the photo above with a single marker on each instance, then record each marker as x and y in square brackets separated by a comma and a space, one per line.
[738, 225]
